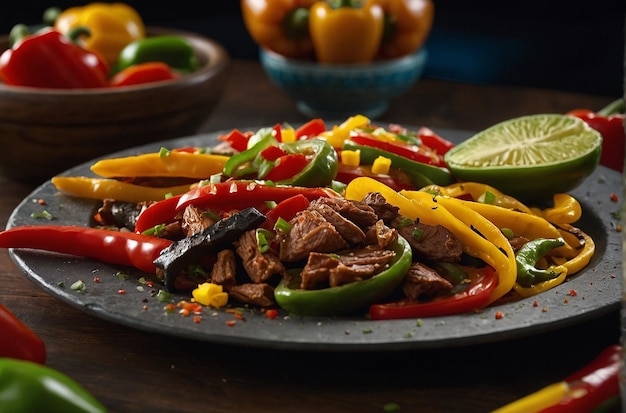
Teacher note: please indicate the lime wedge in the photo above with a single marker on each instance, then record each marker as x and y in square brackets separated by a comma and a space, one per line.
[530, 157]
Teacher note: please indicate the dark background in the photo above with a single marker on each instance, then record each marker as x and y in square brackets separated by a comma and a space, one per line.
[568, 45]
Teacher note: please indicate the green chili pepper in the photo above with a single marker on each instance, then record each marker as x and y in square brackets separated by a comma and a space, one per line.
[176, 51]
[421, 174]
[527, 257]
[27, 387]
[348, 297]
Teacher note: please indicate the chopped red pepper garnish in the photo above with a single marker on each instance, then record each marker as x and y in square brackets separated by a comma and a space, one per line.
[271, 313]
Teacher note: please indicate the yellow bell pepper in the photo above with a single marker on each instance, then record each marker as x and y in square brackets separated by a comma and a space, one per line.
[492, 247]
[100, 188]
[166, 163]
[346, 34]
[407, 25]
[281, 26]
[566, 210]
[478, 191]
[112, 26]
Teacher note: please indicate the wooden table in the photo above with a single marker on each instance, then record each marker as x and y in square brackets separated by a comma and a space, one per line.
[133, 371]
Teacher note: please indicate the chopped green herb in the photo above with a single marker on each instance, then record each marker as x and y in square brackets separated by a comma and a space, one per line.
[42, 215]
[417, 233]
[164, 152]
[262, 239]
[282, 225]
[487, 198]
[163, 296]
[391, 407]
[508, 233]
[121, 276]
[78, 286]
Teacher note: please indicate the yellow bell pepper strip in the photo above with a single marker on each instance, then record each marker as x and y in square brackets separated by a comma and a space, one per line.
[478, 192]
[589, 389]
[490, 245]
[566, 210]
[584, 255]
[542, 286]
[338, 134]
[111, 26]
[176, 163]
[345, 298]
[102, 188]
[281, 26]
[407, 25]
[503, 261]
[346, 33]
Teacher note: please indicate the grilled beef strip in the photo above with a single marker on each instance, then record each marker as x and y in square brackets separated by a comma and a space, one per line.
[422, 281]
[259, 266]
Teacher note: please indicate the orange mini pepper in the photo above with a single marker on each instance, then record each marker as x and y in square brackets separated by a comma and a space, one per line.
[281, 26]
[346, 32]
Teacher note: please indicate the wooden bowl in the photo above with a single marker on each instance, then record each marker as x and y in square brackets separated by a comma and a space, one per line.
[46, 131]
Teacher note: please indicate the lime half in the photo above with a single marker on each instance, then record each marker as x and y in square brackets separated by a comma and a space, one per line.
[530, 157]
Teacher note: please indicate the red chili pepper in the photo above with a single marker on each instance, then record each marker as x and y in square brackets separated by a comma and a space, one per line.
[18, 341]
[286, 210]
[413, 152]
[592, 385]
[109, 246]
[475, 296]
[239, 195]
[609, 121]
[161, 212]
[287, 167]
[50, 60]
[143, 73]
[311, 129]
[237, 139]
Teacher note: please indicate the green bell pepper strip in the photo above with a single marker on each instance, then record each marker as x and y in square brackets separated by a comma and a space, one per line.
[174, 50]
[421, 174]
[320, 169]
[348, 297]
[27, 387]
[527, 257]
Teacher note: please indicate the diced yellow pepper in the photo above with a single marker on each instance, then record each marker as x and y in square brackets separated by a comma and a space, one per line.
[381, 165]
[210, 294]
[288, 135]
[338, 134]
[351, 158]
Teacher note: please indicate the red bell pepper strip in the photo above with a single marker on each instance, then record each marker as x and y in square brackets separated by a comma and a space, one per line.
[109, 246]
[236, 139]
[346, 173]
[310, 129]
[413, 152]
[286, 210]
[50, 60]
[287, 167]
[18, 341]
[434, 141]
[239, 195]
[475, 296]
[140, 73]
[609, 121]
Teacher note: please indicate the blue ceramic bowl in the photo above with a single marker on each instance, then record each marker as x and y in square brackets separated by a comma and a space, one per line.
[339, 91]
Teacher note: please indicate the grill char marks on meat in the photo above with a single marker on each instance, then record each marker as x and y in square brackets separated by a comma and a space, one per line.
[435, 242]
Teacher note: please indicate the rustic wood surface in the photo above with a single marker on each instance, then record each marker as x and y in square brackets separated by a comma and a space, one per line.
[134, 371]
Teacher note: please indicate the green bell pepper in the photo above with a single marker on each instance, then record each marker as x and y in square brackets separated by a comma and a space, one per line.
[306, 162]
[176, 51]
[348, 297]
[421, 174]
[27, 387]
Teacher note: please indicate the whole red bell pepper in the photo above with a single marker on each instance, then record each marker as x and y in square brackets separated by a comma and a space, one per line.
[18, 341]
[475, 296]
[109, 246]
[609, 121]
[48, 59]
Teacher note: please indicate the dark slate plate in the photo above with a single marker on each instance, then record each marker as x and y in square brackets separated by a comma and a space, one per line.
[598, 287]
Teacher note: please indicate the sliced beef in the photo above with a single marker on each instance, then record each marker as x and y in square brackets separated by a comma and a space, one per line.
[119, 214]
[384, 210]
[518, 242]
[346, 267]
[309, 232]
[348, 229]
[261, 295]
[259, 266]
[361, 214]
[422, 281]
[435, 242]
[224, 270]
[381, 235]
[194, 221]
